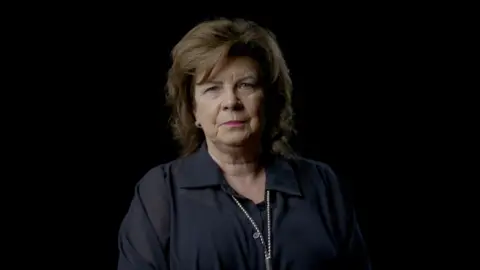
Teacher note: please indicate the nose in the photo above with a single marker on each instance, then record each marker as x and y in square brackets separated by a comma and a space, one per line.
[231, 100]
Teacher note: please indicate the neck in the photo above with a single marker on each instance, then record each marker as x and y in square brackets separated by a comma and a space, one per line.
[242, 162]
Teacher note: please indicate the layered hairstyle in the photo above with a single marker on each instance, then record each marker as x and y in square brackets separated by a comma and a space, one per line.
[200, 50]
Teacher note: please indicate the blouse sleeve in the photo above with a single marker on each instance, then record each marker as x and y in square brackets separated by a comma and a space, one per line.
[144, 232]
[352, 250]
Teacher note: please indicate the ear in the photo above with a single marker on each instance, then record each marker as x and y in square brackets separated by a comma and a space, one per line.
[195, 115]
[194, 110]
[194, 105]
[195, 118]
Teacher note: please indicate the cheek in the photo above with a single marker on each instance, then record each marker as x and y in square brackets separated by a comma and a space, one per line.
[256, 106]
[206, 112]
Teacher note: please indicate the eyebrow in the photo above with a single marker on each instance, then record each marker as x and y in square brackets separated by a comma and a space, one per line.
[219, 82]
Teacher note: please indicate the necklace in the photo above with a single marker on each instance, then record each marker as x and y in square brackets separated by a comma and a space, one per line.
[267, 248]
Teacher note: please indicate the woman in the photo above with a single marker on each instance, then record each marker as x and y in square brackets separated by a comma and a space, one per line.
[238, 198]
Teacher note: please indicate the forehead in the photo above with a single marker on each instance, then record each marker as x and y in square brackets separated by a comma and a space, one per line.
[231, 68]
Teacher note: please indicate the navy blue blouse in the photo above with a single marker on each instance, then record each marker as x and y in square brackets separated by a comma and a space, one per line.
[183, 217]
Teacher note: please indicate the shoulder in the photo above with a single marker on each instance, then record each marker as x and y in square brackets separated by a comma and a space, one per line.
[153, 178]
[162, 179]
[149, 210]
[310, 168]
[153, 196]
[157, 178]
[318, 177]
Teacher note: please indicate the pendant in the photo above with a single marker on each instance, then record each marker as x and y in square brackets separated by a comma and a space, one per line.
[268, 264]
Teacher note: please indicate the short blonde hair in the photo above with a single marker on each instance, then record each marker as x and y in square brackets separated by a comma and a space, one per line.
[200, 50]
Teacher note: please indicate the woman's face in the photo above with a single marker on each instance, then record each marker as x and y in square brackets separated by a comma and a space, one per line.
[228, 106]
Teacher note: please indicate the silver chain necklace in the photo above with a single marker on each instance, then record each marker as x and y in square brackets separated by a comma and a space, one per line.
[266, 248]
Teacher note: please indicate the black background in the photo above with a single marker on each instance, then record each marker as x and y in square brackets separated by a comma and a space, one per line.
[361, 100]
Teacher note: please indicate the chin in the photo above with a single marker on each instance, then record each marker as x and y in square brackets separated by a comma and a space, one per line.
[234, 142]
[236, 138]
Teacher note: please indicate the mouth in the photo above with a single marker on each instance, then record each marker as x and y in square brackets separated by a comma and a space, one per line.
[234, 123]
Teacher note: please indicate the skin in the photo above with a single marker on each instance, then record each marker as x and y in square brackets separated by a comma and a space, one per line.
[233, 93]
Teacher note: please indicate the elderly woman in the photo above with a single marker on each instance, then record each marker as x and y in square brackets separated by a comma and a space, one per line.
[237, 198]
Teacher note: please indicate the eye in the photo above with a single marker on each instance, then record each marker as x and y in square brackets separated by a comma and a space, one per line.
[246, 85]
[213, 88]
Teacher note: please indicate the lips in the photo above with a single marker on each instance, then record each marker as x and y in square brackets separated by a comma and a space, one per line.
[234, 123]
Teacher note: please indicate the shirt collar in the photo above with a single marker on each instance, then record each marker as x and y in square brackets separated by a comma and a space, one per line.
[199, 170]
